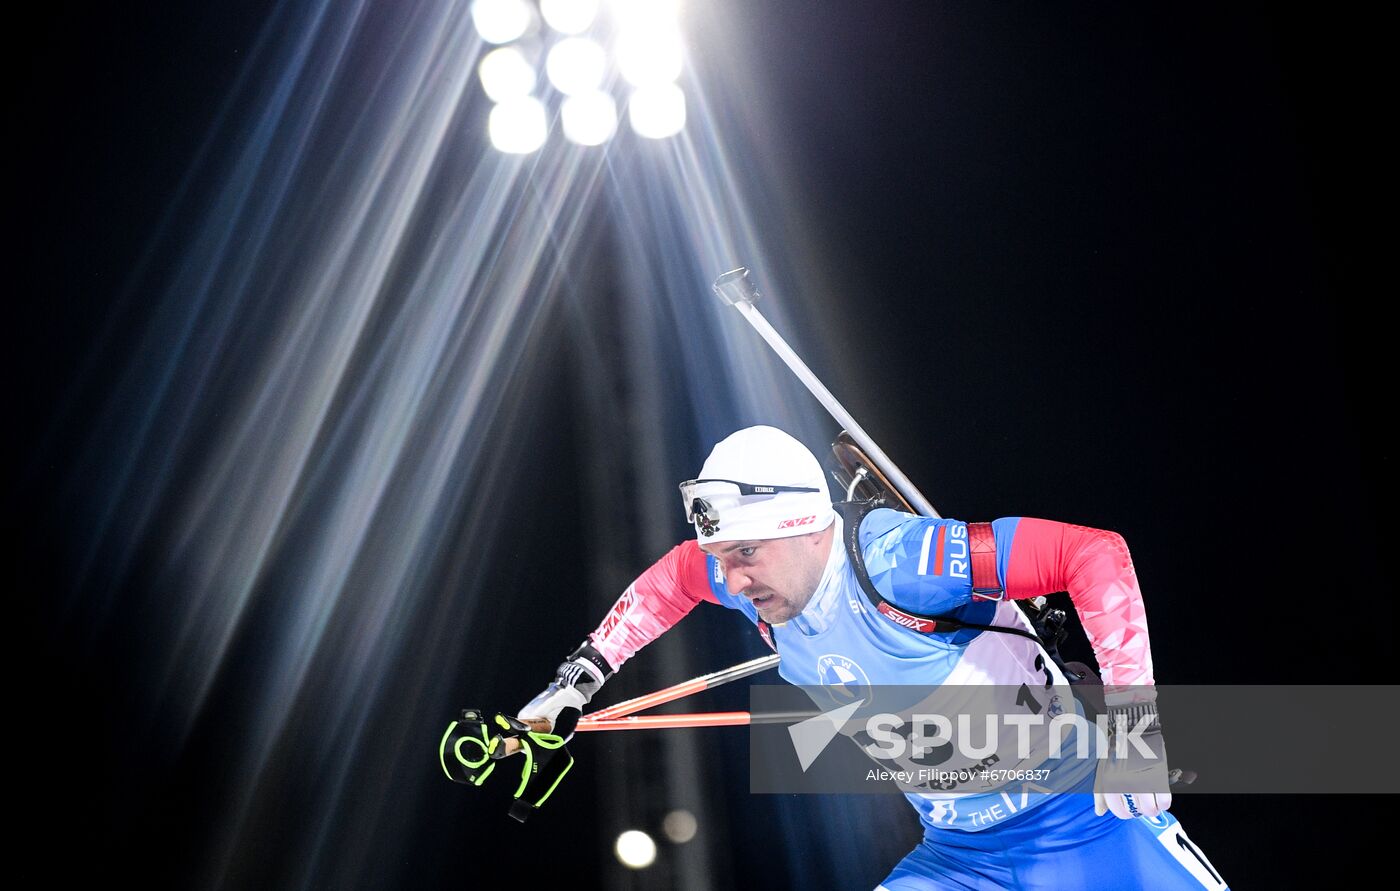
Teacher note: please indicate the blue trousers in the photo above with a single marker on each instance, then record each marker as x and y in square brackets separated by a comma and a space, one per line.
[1061, 845]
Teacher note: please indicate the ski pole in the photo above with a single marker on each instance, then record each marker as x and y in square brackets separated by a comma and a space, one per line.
[683, 689]
[664, 722]
[735, 289]
[703, 719]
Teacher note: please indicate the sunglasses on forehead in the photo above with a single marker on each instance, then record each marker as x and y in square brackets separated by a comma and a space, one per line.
[709, 516]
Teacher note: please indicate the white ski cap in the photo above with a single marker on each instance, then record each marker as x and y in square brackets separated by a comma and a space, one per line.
[758, 483]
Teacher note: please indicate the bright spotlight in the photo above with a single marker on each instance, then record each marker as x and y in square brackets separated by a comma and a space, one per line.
[635, 849]
[589, 118]
[649, 55]
[505, 74]
[657, 111]
[576, 65]
[500, 21]
[651, 13]
[569, 16]
[517, 126]
[680, 826]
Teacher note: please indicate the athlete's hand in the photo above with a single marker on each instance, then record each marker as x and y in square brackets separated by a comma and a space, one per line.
[559, 705]
[1127, 805]
[1133, 781]
[511, 744]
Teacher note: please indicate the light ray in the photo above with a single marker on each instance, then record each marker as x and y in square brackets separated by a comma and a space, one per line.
[308, 428]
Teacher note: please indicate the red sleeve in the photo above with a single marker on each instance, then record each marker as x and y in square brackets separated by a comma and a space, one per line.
[655, 601]
[1094, 566]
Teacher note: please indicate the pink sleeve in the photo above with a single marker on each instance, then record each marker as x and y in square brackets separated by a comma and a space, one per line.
[655, 601]
[1094, 566]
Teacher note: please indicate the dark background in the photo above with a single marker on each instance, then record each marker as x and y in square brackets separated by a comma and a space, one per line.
[1115, 262]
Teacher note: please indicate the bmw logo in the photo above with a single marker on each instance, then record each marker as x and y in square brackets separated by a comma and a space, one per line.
[844, 679]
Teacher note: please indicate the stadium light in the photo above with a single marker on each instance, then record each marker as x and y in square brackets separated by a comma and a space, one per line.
[576, 65]
[517, 126]
[635, 849]
[589, 118]
[501, 21]
[657, 111]
[505, 74]
[680, 826]
[647, 51]
[569, 16]
[646, 13]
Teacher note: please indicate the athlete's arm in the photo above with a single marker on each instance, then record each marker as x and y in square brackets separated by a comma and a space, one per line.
[651, 605]
[658, 599]
[1094, 566]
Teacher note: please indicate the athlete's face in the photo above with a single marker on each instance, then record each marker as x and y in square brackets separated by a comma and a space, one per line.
[777, 575]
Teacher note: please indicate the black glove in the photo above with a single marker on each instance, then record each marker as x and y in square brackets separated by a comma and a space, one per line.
[466, 747]
[474, 743]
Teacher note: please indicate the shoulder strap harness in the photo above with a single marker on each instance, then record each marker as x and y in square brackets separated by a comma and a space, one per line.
[985, 583]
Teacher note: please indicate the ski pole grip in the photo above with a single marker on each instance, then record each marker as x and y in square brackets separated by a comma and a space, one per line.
[512, 744]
